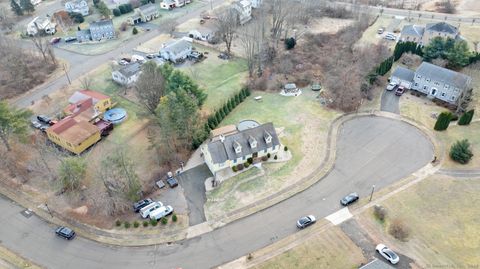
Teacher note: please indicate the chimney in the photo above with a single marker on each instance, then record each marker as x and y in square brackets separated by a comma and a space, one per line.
[222, 138]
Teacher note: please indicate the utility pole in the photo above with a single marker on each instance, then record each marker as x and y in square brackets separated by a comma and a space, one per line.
[371, 194]
[48, 209]
[66, 74]
[211, 4]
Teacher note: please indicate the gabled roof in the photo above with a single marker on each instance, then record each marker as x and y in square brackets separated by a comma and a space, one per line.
[130, 70]
[442, 27]
[73, 131]
[403, 73]
[415, 30]
[177, 46]
[105, 25]
[444, 75]
[85, 94]
[223, 151]
[79, 106]
[148, 9]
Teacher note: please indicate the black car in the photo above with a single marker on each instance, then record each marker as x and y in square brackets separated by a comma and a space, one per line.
[70, 39]
[141, 204]
[351, 198]
[44, 119]
[65, 232]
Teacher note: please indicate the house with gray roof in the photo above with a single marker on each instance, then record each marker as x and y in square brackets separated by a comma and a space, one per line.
[127, 75]
[144, 13]
[97, 31]
[233, 149]
[177, 51]
[403, 76]
[424, 34]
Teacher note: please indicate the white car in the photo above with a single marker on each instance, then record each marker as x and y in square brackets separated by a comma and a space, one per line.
[387, 253]
[391, 86]
[306, 221]
[145, 211]
[161, 212]
[390, 36]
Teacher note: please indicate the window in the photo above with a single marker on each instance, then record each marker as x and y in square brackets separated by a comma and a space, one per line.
[452, 98]
[419, 77]
[436, 83]
[425, 87]
[428, 80]
[416, 84]
[443, 94]
[446, 86]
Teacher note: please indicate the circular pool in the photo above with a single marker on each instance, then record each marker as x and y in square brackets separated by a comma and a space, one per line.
[115, 115]
[247, 124]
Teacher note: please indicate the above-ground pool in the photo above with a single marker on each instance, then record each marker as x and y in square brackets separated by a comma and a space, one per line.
[115, 116]
[247, 124]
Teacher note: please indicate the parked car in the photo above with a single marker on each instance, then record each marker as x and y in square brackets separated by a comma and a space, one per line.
[141, 204]
[223, 56]
[70, 38]
[391, 86]
[145, 211]
[55, 40]
[123, 62]
[387, 253]
[36, 124]
[306, 221]
[390, 36]
[151, 56]
[138, 58]
[380, 31]
[44, 119]
[161, 212]
[195, 55]
[126, 59]
[172, 182]
[349, 199]
[65, 233]
[400, 90]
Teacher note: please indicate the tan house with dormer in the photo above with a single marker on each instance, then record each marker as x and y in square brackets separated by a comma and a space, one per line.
[424, 34]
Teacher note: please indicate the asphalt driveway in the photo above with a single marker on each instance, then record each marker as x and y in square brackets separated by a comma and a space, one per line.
[193, 184]
[390, 102]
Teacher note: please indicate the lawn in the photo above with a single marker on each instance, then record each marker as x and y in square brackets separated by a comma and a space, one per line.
[305, 125]
[9, 259]
[445, 227]
[329, 249]
[221, 79]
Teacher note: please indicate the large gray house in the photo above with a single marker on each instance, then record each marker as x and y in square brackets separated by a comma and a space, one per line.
[127, 75]
[177, 51]
[236, 147]
[424, 34]
[434, 81]
[98, 30]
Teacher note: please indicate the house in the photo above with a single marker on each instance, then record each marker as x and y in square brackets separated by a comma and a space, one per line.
[167, 4]
[177, 51]
[144, 13]
[233, 149]
[403, 76]
[100, 102]
[41, 25]
[97, 31]
[424, 34]
[256, 3]
[377, 264]
[77, 6]
[290, 89]
[434, 81]
[127, 74]
[243, 9]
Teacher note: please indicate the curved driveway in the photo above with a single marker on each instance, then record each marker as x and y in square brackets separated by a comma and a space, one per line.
[370, 150]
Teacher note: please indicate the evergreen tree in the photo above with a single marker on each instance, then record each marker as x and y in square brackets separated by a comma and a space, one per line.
[222, 113]
[463, 119]
[226, 109]
[218, 117]
[470, 115]
[27, 6]
[419, 51]
[434, 50]
[230, 105]
[16, 8]
[247, 91]
[443, 121]
[458, 55]
[460, 151]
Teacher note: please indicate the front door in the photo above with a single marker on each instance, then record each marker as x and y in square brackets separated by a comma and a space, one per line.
[433, 92]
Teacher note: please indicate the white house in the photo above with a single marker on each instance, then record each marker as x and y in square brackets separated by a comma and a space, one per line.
[244, 10]
[176, 51]
[127, 74]
[256, 3]
[78, 6]
[41, 25]
[235, 148]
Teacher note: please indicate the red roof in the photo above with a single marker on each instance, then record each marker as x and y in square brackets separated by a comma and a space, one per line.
[94, 94]
[63, 125]
[79, 106]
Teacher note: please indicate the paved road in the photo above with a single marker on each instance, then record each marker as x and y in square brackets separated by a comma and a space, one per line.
[390, 102]
[370, 150]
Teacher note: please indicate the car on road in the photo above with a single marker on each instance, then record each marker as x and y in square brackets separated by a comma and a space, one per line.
[306, 221]
[141, 204]
[387, 253]
[391, 86]
[44, 119]
[349, 199]
[65, 232]
[161, 212]
[399, 91]
[70, 38]
[55, 40]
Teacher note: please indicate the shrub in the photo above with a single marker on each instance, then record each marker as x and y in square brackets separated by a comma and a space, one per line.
[76, 17]
[126, 224]
[264, 158]
[466, 118]
[174, 218]
[164, 220]
[290, 43]
[134, 31]
[269, 155]
[136, 224]
[460, 151]
[123, 26]
[234, 169]
[116, 12]
[247, 165]
[380, 213]
[443, 121]
[240, 167]
[153, 222]
[399, 230]
[145, 223]
[250, 160]
[275, 157]
[118, 223]
[285, 148]
[122, 9]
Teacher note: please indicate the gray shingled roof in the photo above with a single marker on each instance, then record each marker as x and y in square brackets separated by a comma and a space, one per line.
[403, 73]
[148, 9]
[413, 30]
[223, 151]
[377, 264]
[178, 46]
[442, 27]
[96, 24]
[130, 69]
[444, 75]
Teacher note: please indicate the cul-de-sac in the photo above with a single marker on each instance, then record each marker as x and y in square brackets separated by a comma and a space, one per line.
[234, 134]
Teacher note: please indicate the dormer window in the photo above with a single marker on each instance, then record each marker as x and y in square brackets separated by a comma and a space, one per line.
[252, 141]
[237, 147]
[268, 137]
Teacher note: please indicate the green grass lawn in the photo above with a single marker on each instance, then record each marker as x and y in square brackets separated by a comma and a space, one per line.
[221, 79]
[444, 221]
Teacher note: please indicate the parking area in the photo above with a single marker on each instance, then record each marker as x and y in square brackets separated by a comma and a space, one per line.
[193, 184]
[390, 102]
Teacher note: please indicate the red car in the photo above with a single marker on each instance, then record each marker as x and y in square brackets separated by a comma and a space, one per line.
[55, 40]
[399, 91]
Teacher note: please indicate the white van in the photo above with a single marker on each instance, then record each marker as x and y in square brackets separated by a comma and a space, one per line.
[145, 212]
[161, 212]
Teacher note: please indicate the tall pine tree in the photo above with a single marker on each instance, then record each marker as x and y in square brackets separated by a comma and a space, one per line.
[16, 8]
[27, 6]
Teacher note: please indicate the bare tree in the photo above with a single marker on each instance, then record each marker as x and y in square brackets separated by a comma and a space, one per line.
[43, 46]
[150, 86]
[227, 24]
[6, 20]
[252, 40]
[279, 10]
[86, 82]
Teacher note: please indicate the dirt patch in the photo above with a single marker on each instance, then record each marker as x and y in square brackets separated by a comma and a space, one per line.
[469, 7]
